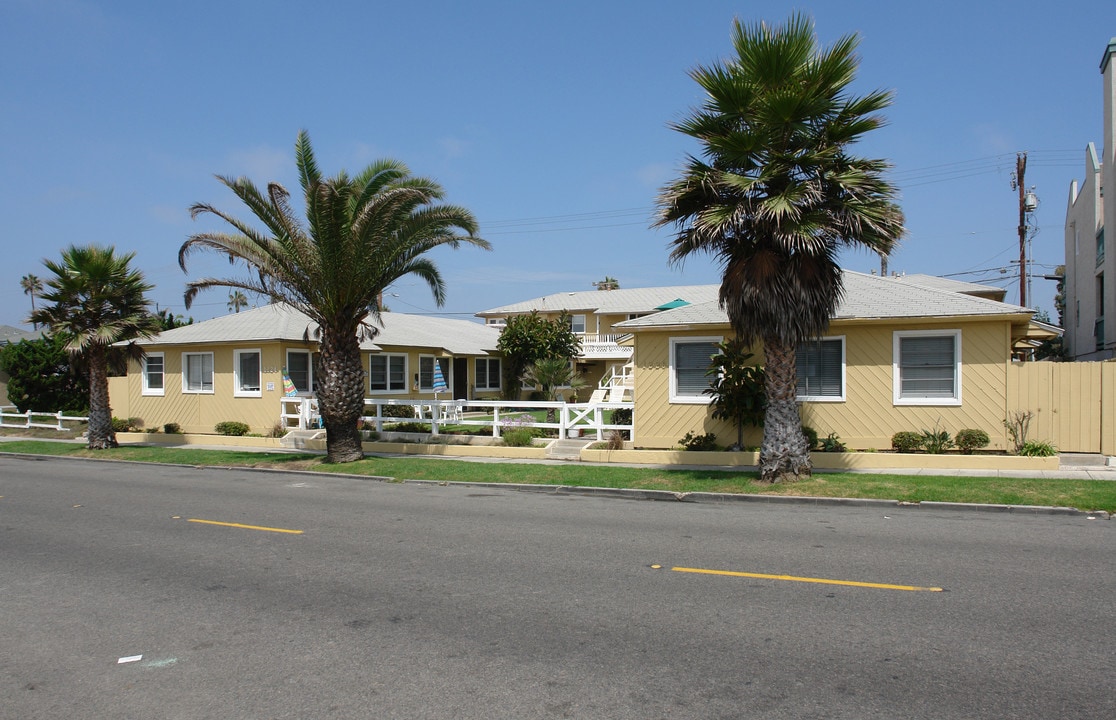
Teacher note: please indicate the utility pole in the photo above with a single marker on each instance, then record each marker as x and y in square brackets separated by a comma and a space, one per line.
[1017, 183]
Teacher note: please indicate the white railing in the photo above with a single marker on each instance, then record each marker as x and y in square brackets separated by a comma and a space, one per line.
[33, 419]
[571, 419]
[618, 376]
[602, 345]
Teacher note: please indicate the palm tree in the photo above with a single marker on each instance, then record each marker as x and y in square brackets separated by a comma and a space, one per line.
[776, 196]
[98, 300]
[609, 283]
[361, 234]
[31, 286]
[551, 375]
[237, 300]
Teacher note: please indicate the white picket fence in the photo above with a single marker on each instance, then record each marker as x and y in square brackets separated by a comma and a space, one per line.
[34, 419]
[571, 419]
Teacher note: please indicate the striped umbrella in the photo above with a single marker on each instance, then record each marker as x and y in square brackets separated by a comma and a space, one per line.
[439, 379]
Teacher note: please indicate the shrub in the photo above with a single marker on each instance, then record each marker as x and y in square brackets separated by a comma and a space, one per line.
[832, 443]
[1038, 448]
[970, 439]
[277, 431]
[1017, 424]
[231, 427]
[936, 441]
[616, 440]
[518, 437]
[172, 429]
[906, 441]
[126, 424]
[811, 437]
[411, 427]
[397, 411]
[690, 441]
[622, 416]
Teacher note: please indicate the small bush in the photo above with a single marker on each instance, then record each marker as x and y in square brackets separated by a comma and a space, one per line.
[1038, 448]
[172, 429]
[971, 439]
[397, 411]
[411, 427]
[152, 431]
[906, 441]
[936, 441]
[518, 437]
[832, 443]
[231, 427]
[277, 431]
[616, 440]
[126, 424]
[811, 437]
[622, 416]
[690, 441]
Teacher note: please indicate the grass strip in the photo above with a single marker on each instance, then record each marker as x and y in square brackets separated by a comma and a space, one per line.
[1081, 494]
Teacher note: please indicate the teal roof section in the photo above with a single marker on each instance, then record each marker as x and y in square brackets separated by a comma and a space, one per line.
[676, 303]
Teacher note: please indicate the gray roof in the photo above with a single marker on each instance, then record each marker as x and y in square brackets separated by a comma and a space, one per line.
[282, 322]
[941, 283]
[608, 302]
[10, 335]
[866, 297]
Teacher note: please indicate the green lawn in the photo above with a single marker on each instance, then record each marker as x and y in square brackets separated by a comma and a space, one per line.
[1081, 494]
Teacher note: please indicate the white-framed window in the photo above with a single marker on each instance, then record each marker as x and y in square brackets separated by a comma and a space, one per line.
[577, 323]
[690, 359]
[300, 369]
[197, 372]
[487, 373]
[927, 367]
[246, 373]
[387, 373]
[821, 370]
[426, 372]
[153, 372]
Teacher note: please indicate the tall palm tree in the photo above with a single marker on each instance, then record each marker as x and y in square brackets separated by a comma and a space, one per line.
[776, 195]
[361, 234]
[97, 299]
[31, 286]
[237, 300]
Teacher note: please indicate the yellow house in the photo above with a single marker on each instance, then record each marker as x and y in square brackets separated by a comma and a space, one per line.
[898, 355]
[241, 366]
[594, 315]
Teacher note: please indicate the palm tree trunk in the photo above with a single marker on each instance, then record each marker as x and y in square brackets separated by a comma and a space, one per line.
[784, 455]
[101, 434]
[341, 394]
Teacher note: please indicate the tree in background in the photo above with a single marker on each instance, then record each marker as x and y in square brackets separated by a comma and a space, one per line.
[169, 321]
[237, 300]
[97, 299]
[526, 339]
[31, 286]
[360, 234]
[776, 196]
[552, 375]
[737, 388]
[42, 377]
[609, 283]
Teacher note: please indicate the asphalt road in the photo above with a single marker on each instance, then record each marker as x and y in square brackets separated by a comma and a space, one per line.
[427, 601]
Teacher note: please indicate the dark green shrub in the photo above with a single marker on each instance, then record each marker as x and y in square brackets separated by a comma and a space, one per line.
[518, 437]
[906, 441]
[811, 437]
[397, 411]
[690, 441]
[621, 416]
[832, 443]
[126, 424]
[1038, 448]
[411, 427]
[231, 427]
[970, 439]
[172, 429]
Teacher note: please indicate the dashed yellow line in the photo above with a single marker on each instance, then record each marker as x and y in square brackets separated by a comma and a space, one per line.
[821, 581]
[245, 527]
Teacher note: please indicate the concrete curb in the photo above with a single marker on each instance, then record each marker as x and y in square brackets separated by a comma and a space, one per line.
[631, 494]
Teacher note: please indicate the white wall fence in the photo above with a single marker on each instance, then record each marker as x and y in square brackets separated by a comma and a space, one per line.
[10, 417]
[570, 419]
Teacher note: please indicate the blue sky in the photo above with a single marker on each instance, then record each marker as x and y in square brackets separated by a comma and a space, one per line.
[548, 121]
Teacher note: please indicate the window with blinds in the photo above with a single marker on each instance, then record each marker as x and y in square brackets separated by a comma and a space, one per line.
[387, 373]
[690, 360]
[197, 372]
[821, 370]
[928, 367]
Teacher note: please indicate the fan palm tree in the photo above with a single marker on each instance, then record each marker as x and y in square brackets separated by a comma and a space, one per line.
[774, 198]
[237, 300]
[550, 376]
[31, 286]
[97, 299]
[360, 235]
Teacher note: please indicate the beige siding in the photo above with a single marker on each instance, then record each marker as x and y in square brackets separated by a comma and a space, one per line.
[1073, 403]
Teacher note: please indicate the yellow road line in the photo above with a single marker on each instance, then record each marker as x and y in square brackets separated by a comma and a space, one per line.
[245, 527]
[822, 581]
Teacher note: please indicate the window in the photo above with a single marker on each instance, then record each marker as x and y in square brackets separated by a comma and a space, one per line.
[153, 374]
[577, 323]
[197, 372]
[387, 373]
[488, 374]
[1100, 247]
[927, 367]
[426, 372]
[689, 362]
[300, 370]
[246, 373]
[821, 370]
